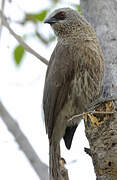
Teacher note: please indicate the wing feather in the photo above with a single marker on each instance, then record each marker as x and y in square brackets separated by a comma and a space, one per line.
[57, 85]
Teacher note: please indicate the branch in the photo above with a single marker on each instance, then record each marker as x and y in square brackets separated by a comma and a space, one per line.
[19, 39]
[74, 119]
[40, 168]
[2, 10]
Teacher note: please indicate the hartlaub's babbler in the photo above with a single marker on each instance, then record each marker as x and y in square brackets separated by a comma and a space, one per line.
[73, 80]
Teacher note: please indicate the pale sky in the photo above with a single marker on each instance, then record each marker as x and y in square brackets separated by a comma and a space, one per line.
[21, 92]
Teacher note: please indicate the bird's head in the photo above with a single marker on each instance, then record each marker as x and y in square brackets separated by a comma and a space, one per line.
[65, 21]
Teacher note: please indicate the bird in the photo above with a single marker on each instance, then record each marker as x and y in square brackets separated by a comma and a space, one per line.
[74, 78]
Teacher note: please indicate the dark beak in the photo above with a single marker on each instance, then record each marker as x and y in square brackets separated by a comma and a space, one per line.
[50, 20]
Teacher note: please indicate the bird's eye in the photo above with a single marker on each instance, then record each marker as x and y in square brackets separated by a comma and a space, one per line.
[62, 14]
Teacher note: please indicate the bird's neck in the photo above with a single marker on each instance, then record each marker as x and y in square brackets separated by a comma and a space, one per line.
[80, 33]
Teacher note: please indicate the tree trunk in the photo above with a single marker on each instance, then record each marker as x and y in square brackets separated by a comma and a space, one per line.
[102, 137]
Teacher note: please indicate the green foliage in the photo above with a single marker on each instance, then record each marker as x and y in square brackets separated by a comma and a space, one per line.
[41, 16]
[78, 8]
[35, 17]
[18, 54]
[56, 1]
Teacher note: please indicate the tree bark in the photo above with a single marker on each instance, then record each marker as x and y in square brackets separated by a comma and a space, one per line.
[102, 137]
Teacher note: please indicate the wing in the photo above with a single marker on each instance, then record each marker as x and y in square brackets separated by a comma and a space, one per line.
[57, 85]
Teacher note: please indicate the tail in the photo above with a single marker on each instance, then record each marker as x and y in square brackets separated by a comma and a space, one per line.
[69, 133]
[54, 157]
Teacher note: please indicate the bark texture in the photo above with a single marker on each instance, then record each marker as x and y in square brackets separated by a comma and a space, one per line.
[103, 137]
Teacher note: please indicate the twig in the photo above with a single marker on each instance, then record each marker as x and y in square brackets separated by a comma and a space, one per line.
[2, 10]
[19, 39]
[40, 168]
[90, 112]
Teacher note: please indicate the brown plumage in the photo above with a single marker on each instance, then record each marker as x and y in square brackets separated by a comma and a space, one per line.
[73, 80]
